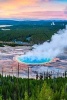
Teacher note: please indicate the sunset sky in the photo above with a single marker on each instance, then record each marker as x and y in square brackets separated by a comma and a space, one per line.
[33, 9]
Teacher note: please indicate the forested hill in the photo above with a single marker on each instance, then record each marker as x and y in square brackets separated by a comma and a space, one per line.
[29, 31]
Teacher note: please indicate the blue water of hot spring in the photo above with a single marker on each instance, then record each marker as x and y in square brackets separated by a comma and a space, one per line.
[28, 60]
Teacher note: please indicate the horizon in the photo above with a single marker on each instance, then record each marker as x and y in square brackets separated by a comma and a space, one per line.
[33, 20]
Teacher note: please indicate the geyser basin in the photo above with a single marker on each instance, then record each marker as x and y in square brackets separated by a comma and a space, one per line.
[28, 60]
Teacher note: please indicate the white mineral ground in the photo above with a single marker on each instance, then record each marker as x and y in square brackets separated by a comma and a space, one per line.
[9, 65]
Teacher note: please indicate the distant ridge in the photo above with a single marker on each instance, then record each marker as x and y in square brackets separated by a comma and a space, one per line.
[24, 22]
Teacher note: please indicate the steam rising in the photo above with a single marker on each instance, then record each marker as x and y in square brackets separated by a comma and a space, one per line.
[49, 49]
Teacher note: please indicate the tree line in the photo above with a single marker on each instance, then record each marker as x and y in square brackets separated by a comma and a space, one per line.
[30, 33]
[12, 88]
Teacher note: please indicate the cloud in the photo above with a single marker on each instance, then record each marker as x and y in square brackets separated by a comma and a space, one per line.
[17, 2]
[4, 0]
[40, 15]
[65, 10]
[31, 9]
[54, 0]
[11, 5]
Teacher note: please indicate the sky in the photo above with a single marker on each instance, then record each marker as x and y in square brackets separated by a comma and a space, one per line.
[33, 9]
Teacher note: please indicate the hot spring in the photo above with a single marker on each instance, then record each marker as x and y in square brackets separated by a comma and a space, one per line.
[45, 52]
[29, 60]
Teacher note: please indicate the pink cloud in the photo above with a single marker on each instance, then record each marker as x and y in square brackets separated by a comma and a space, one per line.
[41, 14]
[32, 9]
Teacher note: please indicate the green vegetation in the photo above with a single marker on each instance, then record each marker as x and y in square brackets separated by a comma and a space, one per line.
[12, 88]
[31, 32]
[12, 44]
[1, 45]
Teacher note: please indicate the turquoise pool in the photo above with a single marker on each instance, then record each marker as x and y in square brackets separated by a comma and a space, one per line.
[28, 60]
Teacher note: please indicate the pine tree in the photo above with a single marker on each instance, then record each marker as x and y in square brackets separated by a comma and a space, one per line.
[64, 93]
[0, 97]
[56, 95]
[46, 93]
[26, 96]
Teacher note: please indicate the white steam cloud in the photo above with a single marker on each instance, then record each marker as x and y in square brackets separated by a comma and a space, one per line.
[50, 49]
